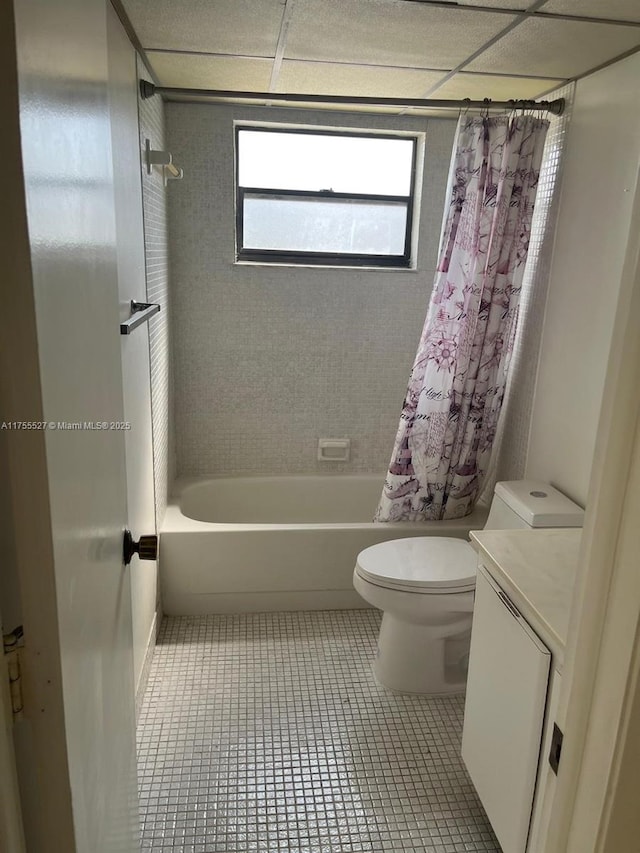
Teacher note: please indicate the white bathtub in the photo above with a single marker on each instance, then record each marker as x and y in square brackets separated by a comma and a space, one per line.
[249, 544]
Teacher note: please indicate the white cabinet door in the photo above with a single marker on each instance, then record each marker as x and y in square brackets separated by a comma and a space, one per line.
[504, 712]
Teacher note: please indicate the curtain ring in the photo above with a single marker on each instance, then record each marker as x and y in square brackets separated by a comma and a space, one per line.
[485, 109]
[464, 108]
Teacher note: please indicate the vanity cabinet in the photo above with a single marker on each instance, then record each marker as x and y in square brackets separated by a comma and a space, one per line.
[520, 624]
[509, 672]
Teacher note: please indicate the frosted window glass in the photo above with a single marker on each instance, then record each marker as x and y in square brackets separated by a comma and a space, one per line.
[307, 161]
[320, 225]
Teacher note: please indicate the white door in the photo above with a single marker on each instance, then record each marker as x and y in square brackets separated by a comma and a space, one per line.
[123, 100]
[67, 482]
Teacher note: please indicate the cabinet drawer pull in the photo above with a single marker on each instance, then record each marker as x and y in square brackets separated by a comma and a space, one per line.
[509, 605]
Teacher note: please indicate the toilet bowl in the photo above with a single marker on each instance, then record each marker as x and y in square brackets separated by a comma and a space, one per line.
[424, 586]
[425, 589]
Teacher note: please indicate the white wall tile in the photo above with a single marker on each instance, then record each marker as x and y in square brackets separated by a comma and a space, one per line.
[269, 359]
[154, 195]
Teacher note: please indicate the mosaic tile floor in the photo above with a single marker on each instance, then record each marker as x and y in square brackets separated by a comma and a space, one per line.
[266, 732]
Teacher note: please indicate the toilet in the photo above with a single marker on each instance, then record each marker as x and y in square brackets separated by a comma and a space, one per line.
[425, 589]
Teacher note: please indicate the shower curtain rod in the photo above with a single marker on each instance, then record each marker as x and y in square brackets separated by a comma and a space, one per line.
[148, 90]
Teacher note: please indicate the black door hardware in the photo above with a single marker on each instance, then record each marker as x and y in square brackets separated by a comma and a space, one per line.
[146, 547]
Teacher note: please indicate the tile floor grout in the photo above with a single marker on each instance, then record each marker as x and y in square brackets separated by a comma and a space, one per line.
[267, 732]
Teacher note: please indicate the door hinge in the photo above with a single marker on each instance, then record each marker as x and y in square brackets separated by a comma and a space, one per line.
[556, 748]
[12, 644]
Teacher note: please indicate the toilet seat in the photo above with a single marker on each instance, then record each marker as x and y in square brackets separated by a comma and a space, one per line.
[426, 564]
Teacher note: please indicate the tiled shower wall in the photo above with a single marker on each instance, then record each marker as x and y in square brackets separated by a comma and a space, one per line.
[511, 458]
[269, 359]
[154, 195]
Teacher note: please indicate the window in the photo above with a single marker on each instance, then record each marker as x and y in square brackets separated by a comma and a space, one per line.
[324, 197]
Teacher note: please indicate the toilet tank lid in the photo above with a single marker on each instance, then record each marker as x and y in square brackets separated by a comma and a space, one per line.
[539, 504]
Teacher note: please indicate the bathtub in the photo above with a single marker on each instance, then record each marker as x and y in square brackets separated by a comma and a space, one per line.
[249, 544]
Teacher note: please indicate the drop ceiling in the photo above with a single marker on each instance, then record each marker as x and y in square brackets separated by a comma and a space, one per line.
[496, 49]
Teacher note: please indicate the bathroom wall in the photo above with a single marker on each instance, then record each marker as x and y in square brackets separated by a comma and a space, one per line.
[269, 359]
[154, 194]
[600, 175]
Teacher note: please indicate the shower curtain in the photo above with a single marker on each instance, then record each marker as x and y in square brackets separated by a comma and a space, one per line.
[451, 410]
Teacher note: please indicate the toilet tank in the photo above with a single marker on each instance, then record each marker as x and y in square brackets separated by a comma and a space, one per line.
[529, 503]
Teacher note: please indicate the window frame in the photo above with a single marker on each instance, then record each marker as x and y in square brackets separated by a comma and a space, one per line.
[342, 259]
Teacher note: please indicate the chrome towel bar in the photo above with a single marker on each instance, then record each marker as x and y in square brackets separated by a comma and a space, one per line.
[140, 313]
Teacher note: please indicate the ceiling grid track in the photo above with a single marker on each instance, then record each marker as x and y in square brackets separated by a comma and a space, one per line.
[214, 54]
[282, 43]
[536, 12]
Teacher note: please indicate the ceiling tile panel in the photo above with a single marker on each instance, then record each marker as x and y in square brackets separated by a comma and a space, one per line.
[211, 72]
[621, 10]
[388, 32]
[327, 78]
[498, 88]
[224, 26]
[550, 48]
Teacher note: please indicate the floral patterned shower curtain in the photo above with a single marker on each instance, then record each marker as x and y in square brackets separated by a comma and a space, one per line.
[457, 384]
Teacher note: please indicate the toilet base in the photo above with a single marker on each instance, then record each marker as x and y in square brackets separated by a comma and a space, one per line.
[425, 659]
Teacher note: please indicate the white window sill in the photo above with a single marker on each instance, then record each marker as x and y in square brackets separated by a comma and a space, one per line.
[323, 267]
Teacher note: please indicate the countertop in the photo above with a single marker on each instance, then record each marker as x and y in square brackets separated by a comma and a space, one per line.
[537, 569]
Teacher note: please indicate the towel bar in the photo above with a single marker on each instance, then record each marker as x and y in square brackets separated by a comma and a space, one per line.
[140, 313]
